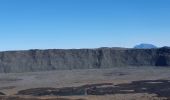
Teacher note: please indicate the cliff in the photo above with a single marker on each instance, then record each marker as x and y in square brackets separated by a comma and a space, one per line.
[59, 59]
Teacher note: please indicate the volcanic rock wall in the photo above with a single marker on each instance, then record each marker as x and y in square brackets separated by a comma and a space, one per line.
[59, 59]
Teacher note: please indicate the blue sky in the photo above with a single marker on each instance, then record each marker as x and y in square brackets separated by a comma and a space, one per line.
[48, 24]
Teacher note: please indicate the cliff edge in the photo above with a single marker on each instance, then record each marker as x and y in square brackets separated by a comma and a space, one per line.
[60, 59]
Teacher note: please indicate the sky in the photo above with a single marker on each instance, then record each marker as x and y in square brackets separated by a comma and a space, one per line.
[68, 24]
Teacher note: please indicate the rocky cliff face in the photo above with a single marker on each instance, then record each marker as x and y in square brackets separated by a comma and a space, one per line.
[59, 59]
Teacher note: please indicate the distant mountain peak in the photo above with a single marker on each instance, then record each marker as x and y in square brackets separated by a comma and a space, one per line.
[145, 46]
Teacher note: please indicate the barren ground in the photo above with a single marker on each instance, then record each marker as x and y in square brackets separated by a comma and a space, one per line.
[11, 83]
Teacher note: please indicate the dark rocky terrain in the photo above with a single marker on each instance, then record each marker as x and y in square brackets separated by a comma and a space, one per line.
[118, 83]
[21, 98]
[158, 87]
[55, 59]
[2, 93]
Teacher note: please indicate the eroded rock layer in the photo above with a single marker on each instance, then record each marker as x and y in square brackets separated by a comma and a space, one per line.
[59, 59]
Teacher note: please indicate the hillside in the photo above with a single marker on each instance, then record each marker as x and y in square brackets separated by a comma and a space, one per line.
[59, 59]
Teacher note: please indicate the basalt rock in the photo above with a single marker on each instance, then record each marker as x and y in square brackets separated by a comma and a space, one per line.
[65, 91]
[158, 87]
[29, 98]
[2, 93]
[60, 59]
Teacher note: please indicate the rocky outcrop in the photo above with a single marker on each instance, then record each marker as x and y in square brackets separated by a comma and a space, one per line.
[2, 93]
[60, 59]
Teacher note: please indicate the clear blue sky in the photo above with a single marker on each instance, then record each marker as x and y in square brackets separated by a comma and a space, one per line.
[44, 24]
